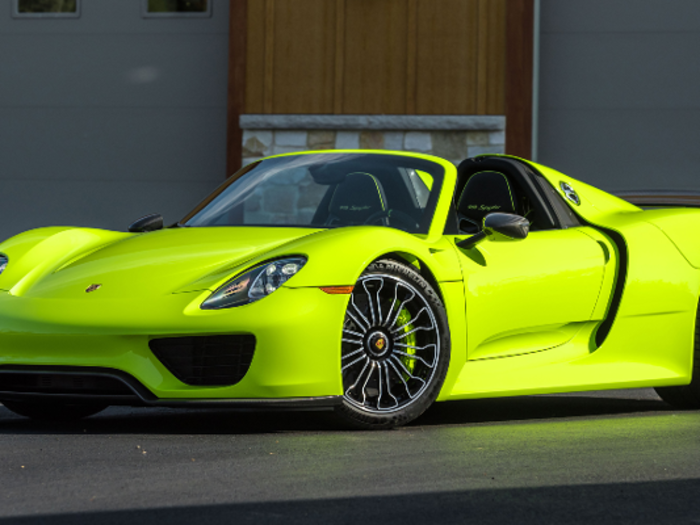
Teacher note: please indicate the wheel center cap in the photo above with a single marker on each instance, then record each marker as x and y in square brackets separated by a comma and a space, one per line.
[378, 344]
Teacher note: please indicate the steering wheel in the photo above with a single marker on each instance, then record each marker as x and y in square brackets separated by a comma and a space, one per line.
[389, 216]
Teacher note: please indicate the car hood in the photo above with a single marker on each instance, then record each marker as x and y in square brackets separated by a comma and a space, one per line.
[167, 261]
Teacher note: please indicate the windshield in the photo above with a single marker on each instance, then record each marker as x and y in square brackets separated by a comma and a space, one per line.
[326, 190]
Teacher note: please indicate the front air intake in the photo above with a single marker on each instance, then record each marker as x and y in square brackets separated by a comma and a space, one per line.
[216, 360]
[62, 383]
[82, 384]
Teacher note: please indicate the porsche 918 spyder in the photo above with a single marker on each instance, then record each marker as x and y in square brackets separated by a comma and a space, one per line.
[372, 283]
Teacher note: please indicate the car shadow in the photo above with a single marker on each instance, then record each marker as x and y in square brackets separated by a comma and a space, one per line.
[128, 420]
[639, 503]
[540, 407]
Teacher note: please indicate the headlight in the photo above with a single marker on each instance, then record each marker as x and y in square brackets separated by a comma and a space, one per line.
[254, 284]
[3, 263]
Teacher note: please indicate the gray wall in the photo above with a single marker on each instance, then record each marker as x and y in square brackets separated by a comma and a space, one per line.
[620, 92]
[110, 116]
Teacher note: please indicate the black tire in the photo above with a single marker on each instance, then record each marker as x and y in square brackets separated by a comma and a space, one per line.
[395, 349]
[52, 411]
[686, 397]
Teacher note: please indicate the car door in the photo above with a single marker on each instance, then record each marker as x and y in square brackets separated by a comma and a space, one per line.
[533, 294]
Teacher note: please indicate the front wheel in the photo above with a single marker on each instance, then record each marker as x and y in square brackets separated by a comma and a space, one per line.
[395, 347]
[52, 411]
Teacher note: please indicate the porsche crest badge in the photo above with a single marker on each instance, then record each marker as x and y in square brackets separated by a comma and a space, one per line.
[570, 194]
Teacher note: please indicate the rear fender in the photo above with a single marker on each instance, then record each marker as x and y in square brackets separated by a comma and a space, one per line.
[682, 227]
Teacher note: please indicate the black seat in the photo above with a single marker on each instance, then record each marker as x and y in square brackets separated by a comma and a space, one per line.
[356, 199]
[485, 192]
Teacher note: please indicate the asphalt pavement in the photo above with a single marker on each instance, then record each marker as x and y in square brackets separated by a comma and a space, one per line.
[602, 457]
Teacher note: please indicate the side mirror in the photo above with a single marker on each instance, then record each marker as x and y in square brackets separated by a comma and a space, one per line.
[499, 227]
[506, 227]
[148, 223]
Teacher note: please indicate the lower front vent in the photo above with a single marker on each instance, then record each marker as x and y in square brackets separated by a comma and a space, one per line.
[47, 382]
[217, 360]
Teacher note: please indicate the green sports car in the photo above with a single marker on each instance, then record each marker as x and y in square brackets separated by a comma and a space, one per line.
[372, 283]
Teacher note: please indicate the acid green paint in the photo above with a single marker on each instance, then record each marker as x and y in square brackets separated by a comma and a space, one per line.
[522, 315]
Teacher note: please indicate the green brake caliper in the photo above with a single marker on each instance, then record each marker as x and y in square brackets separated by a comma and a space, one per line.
[404, 319]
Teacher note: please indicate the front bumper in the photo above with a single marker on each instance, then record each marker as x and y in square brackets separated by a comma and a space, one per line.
[297, 331]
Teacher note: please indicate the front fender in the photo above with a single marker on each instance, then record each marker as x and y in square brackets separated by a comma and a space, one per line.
[338, 257]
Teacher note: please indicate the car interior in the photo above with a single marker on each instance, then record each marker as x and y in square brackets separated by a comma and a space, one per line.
[489, 184]
[389, 195]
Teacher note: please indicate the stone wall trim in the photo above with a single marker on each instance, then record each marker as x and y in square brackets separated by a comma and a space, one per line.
[375, 122]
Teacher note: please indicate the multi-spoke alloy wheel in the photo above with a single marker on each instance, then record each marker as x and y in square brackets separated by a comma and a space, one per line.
[395, 347]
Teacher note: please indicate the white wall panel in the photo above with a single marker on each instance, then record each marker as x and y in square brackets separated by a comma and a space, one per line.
[110, 116]
[620, 92]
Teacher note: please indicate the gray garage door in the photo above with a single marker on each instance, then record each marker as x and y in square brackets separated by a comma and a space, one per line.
[620, 92]
[110, 115]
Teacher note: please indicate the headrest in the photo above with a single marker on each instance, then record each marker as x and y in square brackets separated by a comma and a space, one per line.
[487, 192]
[357, 198]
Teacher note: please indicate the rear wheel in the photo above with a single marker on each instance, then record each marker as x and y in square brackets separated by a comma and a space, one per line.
[52, 411]
[395, 349]
[686, 397]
